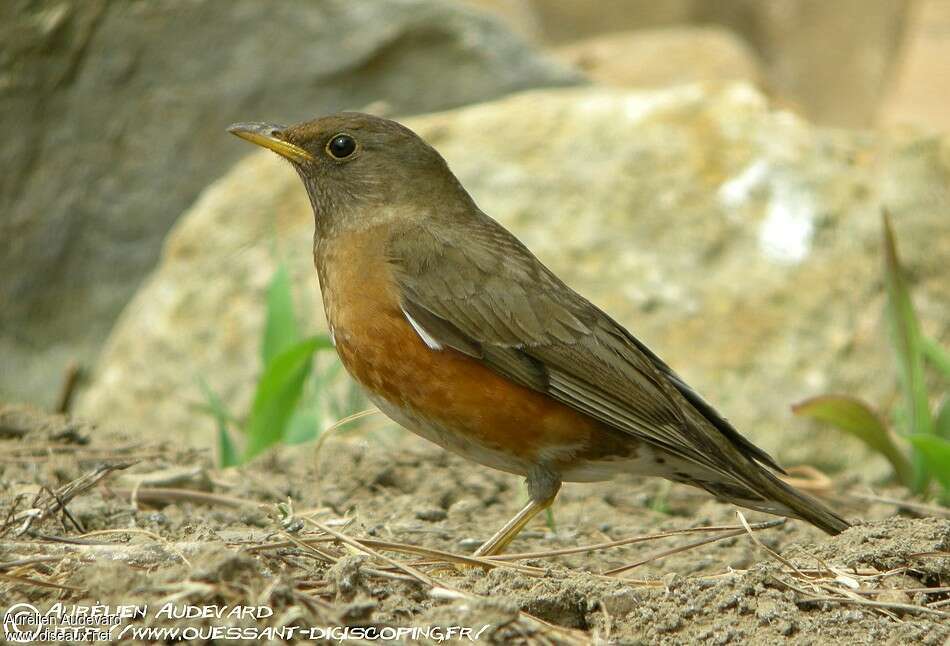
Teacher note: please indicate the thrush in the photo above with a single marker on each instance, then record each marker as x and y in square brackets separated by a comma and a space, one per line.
[457, 332]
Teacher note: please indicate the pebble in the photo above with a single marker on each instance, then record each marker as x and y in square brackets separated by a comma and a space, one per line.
[431, 515]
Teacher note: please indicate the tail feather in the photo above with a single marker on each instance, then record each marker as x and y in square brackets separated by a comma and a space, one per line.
[773, 496]
[803, 506]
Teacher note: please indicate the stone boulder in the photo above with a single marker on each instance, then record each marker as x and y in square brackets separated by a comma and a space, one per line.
[832, 61]
[113, 113]
[652, 58]
[742, 244]
[920, 92]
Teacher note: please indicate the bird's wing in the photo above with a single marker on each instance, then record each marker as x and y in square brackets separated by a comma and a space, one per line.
[475, 288]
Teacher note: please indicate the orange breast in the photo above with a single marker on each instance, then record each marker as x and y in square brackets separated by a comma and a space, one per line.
[379, 348]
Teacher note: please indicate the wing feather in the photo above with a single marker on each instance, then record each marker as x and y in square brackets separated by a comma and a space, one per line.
[477, 289]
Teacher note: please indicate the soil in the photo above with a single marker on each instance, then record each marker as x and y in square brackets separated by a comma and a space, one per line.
[168, 527]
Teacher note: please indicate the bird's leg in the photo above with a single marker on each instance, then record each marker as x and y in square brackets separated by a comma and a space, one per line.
[543, 486]
[497, 543]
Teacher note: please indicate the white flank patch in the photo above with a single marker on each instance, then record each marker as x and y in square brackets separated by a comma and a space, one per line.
[425, 336]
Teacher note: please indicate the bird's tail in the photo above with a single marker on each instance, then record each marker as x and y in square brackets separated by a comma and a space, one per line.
[805, 507]
[774, 496]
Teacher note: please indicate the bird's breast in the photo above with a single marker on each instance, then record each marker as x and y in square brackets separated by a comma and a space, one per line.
[441, 394]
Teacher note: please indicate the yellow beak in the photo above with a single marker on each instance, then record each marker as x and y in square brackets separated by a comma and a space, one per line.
[268, 135]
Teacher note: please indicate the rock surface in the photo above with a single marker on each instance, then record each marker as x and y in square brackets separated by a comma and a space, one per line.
[652, 58]
[114, 115]
[921, 91]
[564, 21]
[833, 61]
[518, 15]
[740, 243]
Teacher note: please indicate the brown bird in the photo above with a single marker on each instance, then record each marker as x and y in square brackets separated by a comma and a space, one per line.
[459, 333]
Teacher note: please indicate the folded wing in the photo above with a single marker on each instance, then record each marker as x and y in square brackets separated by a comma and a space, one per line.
[482, 293]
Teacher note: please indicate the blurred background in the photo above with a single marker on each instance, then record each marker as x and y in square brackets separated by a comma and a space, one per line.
[711, 172]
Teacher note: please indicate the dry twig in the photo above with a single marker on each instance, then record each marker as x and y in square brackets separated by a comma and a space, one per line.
[735, 531]
[49, 501]
[435, 587]
[68, 389]
[168, 495]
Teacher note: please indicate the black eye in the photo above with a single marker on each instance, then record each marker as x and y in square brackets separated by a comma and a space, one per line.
[341, 146]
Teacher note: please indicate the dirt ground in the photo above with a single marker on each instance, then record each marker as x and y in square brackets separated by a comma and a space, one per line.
[169, 528]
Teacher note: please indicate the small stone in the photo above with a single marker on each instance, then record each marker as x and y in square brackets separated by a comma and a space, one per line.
[470, 543]
[347, 575]
[431, 515]
[669, 625]
[157, 518]
[257, 518]
[358, 610]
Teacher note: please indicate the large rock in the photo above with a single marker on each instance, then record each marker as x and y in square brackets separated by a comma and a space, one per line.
[518, 15]
[920, 92]
[654, 58]
[833, 61]
[113, 117]
[563, 21]
[742, 244]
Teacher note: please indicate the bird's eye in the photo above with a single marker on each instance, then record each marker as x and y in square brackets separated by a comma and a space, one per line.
[341, 146]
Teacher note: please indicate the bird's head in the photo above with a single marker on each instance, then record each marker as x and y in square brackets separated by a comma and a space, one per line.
[359, 168]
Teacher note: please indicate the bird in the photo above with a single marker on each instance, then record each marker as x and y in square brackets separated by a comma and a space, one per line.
[458, 333]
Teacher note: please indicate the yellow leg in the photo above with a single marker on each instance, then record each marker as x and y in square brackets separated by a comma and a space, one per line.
[497, 543]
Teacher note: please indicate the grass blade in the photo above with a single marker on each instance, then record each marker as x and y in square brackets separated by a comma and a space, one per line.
[856, 418]
[227, 452]
[942, 423]
[280, 328]
[905, 331]
[907, 337]
[278, 391]
[935, 452]
[935, 353]
[304, 425]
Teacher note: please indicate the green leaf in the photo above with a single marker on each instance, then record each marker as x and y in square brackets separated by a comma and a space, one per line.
[935, 353]
[935, 452]
[280, 328]
[905, 330]
[227, 452]
[942, 423]
[324, 342]
[304, 426]
[277, 394]
[853, 416]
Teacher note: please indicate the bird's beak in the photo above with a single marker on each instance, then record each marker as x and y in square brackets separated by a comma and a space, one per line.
[268, 135]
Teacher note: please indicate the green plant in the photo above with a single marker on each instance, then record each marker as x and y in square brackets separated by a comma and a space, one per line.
[921, 451]
[294, 391]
